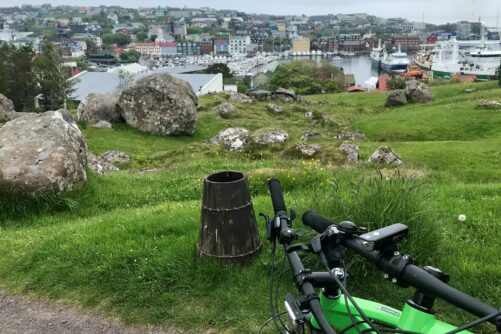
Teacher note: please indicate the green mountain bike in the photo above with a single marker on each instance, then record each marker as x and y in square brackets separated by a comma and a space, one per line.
[333, 309]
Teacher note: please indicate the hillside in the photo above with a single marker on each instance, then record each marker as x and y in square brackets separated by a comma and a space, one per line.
[125, 245]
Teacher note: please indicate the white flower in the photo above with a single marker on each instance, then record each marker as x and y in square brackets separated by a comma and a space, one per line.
[462, 217]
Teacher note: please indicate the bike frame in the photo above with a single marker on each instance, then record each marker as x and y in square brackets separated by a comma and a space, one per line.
[410, 318]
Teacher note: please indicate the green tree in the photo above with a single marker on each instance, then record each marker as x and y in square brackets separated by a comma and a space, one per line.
[131, 56]
[119, 39]
[141, 36]
[17, 80]
[219, 68]
[125, 79]
[308, 77]
[52, 77]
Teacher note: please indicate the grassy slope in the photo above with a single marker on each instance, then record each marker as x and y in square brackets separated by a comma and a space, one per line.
[127, 244]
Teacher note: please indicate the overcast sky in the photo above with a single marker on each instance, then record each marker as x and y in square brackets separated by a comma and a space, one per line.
[435, 11]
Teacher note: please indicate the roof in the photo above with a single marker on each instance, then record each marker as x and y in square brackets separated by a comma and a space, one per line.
[108, 82]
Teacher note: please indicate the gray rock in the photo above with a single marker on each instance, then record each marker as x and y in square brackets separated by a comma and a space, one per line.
[102, 125]
[116, 157]
[99, 165]
[270, 137]
[233, 139]
[224, 110]
[351, 151]
[309, 115]
[275, 108]
[239, 98]
[41, 154]
[97, 107]
[418, 92]
[308, 150]
[489, 105]
[284, 95]
[396, 98]
[350, 135]
[260, 95]
[385, 155]
[310, 134]
[7, 111]
[160, 104]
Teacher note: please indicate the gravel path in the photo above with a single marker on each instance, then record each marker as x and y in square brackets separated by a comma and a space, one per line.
[19, 315]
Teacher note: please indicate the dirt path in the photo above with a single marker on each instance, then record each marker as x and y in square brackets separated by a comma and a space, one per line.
[20, 315]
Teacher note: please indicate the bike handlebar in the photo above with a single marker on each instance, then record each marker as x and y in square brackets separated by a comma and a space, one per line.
[277, 198]
[411, 275]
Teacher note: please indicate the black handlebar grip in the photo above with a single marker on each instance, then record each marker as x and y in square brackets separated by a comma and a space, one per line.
[277, 198]
[314, 220]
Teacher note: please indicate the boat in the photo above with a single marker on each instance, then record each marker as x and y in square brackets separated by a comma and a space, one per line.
[447, 64]
[389, 62]
[424, 59]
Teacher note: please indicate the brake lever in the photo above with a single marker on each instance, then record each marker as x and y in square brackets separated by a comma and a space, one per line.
[270, 232]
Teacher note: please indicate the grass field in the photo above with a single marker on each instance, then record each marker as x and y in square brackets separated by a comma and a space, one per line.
[125, 245]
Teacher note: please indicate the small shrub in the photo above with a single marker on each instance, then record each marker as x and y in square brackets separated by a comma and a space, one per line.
[396, 83]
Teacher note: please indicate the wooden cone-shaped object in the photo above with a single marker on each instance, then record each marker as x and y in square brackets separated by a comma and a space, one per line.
[228, 228]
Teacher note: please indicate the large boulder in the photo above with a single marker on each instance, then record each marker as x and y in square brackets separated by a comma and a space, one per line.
[233, 139]
[274, 108]
[284, 95]
[351, 151]
[41, 154]
[97, 107]
[385, 155]
[160, 104]
[260, 95]
[239, 98]
[308, 150]
[224, 110]
[7, 111]
[270, 137]
[396, 98]
[418, 92]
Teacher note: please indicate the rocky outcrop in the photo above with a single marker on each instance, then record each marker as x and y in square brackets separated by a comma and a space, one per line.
[116, 157]
[418, 92]
[224, 110]
[274, 108]
[270, 137]
[239, 98]
[284, 95]
[105, 163]
[233, 139]
[351, 151]
[160, 104]
[350, 135]
[310, 134]
[495, 105]
[385, 155]
[281, 94]
[308, 150]
[99, 165]
[98, 107]
[41, 154]
[7, 111]
[396, 98]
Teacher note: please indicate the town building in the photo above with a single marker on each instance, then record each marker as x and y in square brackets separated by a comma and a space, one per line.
[221, 46]
[156, 49]
[301, 45]
[188, 48]
[463, 30]
[238, 44]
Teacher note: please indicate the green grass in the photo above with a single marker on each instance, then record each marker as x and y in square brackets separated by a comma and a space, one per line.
[126, 244]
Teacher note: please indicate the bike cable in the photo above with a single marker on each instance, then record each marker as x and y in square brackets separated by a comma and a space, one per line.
[475, 322]
[347, 294]
[263, 326]
[272, 310]
[281, 272]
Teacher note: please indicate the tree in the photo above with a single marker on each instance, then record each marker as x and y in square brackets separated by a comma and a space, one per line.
[17, 80]
[308, 77]
[131, 56]
[219, 68]
[52, 77]
[141, 36]
[119, 39]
